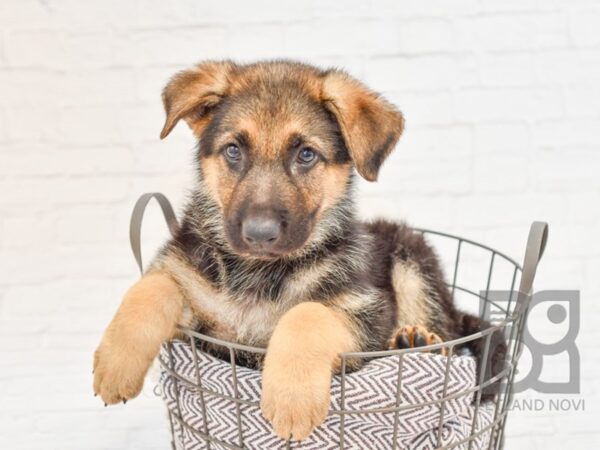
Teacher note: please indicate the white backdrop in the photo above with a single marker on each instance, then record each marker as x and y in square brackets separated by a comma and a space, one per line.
[502, 101]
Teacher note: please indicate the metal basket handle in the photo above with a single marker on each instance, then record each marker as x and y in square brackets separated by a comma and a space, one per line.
[135, 224]
[536, 244]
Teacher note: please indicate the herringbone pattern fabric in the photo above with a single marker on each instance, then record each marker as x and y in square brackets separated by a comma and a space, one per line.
[374, 386]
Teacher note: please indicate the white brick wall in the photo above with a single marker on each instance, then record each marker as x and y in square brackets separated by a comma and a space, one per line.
[502, 100]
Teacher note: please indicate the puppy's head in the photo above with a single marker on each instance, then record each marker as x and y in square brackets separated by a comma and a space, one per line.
[278, 141]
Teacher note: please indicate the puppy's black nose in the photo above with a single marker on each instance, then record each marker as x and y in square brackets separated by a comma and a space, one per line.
[261, 231]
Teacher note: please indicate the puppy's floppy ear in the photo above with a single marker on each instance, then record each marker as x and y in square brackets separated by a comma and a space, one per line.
[191, 94]
[370, 125]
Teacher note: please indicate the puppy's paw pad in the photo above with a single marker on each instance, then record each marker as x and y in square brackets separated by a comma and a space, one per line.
[415, 336]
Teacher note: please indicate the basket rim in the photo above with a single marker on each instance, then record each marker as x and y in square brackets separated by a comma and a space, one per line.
[352, 355]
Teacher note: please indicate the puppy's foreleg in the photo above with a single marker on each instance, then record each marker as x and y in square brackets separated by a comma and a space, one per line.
[303, 354]
[148, 315]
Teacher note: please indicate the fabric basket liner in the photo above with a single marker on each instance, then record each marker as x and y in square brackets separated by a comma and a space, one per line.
[373, 386]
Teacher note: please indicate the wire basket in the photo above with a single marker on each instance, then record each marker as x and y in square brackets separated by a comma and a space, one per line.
[190, 429]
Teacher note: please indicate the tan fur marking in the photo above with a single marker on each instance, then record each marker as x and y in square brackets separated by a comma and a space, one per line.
[303, 354]
[411, 295]
[301, 283]
[148, 316]
[354, 302]
[334, 184]
[218, 187]
[195, 289]
[250, 322]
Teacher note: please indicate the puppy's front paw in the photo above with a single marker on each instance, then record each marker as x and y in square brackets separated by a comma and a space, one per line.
[118, 373]
[295, 401]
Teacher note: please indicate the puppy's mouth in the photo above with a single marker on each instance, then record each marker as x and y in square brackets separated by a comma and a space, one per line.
[266, 253]
[262, 255]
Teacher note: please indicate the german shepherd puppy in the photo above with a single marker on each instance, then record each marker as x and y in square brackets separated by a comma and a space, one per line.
[269, 252]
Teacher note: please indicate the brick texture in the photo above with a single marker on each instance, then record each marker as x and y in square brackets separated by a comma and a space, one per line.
[502, 103]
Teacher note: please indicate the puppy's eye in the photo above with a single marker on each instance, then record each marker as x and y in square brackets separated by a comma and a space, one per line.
[233, 153]
[307, 156]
